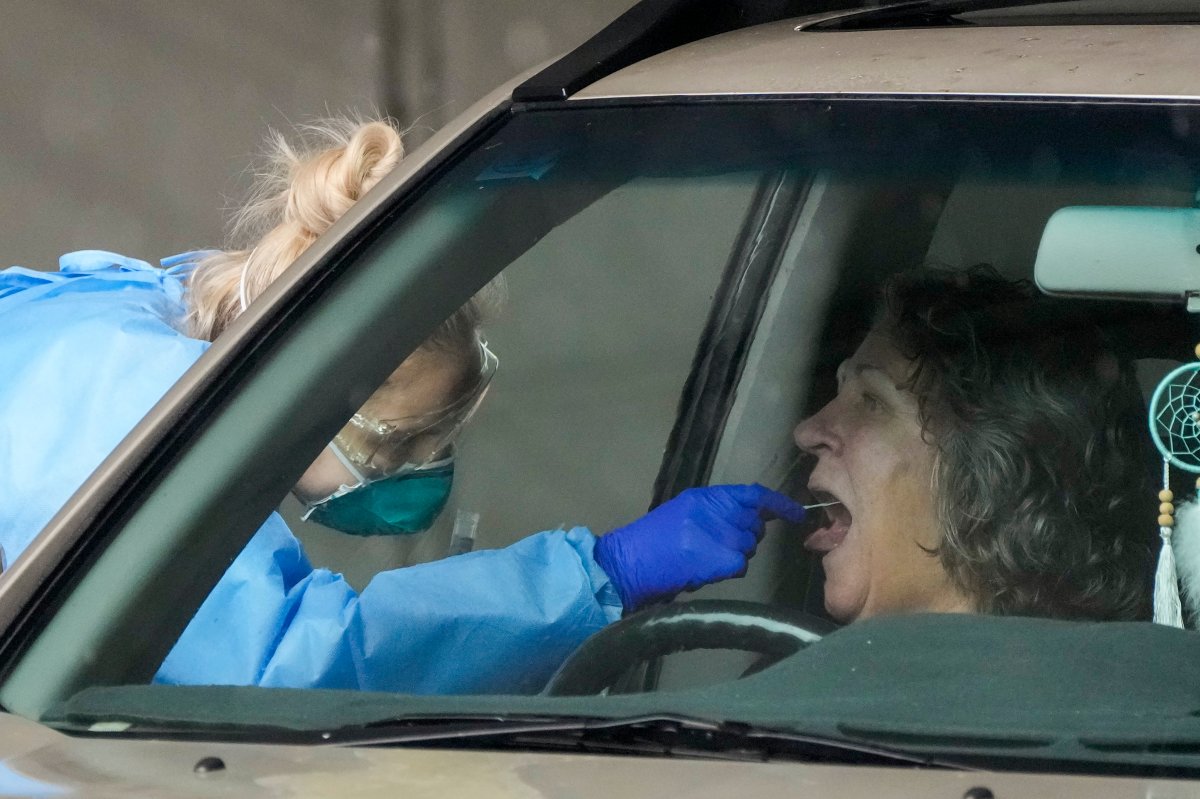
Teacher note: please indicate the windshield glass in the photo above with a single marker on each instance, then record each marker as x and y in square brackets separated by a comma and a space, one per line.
[833, 300]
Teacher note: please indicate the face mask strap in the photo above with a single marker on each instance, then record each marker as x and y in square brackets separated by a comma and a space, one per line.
[440, 463]
[343, 488]
[350, 467]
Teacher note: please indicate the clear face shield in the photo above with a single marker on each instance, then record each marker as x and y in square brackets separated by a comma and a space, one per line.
[394, 475]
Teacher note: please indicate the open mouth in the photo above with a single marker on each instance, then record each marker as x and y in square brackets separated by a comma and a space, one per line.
[833, 527]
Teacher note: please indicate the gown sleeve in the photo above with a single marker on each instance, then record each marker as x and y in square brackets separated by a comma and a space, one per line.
[491, 621]
[86, 351]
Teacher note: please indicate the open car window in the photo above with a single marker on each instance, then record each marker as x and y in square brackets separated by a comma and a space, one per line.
[592, 365]
[685, 285]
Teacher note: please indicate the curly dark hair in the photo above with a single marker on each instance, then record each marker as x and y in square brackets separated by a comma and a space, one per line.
[1043, 471]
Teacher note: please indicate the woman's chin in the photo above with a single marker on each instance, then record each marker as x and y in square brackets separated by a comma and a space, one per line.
[844, 595]
[843, 609]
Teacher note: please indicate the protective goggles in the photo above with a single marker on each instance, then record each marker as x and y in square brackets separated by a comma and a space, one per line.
[377, 448]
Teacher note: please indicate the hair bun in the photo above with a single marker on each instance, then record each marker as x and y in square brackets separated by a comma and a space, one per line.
[302, 191]
[324, 184]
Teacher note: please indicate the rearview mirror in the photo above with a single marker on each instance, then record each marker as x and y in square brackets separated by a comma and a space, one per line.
[1121, 252]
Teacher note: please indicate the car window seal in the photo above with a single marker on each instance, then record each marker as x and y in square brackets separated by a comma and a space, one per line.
[707, 395]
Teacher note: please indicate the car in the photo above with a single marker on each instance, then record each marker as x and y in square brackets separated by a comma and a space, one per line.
[694, 212]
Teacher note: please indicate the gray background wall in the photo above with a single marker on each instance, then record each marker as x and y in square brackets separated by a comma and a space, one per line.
[129, 124]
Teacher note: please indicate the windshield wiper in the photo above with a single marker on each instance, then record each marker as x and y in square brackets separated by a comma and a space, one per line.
[653, 734]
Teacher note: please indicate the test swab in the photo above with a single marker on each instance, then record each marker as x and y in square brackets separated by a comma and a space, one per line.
[787, 472]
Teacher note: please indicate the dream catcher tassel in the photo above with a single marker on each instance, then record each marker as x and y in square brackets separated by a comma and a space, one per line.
[1175, 428]
[1167, 607]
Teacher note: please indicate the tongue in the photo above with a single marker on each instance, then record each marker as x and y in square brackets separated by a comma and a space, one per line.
[827, 538]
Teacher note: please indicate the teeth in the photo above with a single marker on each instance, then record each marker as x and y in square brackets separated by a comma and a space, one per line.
[816, 496]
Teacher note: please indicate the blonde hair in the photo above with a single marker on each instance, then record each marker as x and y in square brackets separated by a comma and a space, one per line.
[305, 187]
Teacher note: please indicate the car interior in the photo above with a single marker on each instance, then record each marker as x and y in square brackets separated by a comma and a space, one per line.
[845, 236]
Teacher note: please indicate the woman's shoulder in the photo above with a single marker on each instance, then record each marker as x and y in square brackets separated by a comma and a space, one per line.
[92, 283]
[98, 318]
[86, 269]
[85, 352]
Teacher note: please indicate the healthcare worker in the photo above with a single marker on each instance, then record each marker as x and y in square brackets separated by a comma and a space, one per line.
[86, 351]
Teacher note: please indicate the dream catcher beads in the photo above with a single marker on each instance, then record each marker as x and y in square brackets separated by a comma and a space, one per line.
[1175, 428]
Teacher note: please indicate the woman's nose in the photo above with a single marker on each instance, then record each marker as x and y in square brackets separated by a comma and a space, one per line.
[815, 434]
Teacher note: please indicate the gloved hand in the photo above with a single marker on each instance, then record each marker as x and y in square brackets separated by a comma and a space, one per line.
[701, 536]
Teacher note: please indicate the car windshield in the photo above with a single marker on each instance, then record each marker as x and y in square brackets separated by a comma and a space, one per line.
[832, 298]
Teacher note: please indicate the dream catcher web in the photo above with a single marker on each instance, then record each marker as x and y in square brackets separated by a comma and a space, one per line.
[1175, 418]
[1175, 427]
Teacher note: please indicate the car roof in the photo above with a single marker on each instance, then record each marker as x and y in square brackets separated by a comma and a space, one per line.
[789, 57]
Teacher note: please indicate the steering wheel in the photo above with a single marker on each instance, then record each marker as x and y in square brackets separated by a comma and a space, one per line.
[602, 660]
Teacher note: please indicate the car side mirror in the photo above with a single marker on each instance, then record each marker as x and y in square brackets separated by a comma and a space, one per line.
[1121, 253]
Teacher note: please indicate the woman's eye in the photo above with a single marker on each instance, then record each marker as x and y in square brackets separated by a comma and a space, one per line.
[871, 402]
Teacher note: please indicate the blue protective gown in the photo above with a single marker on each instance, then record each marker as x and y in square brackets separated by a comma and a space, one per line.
[84, 354]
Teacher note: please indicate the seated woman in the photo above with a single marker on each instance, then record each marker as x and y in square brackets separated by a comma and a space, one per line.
[988, 447]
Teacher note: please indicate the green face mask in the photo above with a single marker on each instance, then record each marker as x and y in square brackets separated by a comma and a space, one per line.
[401, 505]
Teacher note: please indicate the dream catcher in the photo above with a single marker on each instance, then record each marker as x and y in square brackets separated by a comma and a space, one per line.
[1175, 428]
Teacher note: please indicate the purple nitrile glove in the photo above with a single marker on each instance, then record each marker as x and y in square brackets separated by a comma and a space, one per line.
[701, 536]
